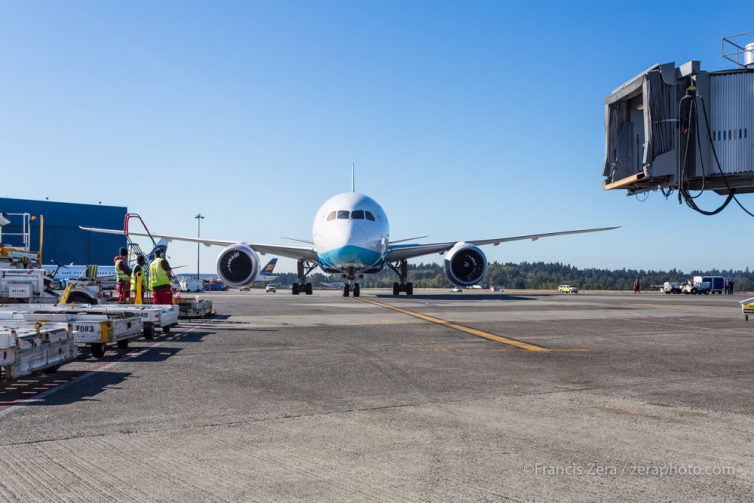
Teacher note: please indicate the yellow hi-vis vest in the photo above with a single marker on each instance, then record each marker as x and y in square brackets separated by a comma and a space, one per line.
[122, 277]
[158, 276]
[140, 270]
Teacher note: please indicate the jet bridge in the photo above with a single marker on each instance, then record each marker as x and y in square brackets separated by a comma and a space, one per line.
[681, 128]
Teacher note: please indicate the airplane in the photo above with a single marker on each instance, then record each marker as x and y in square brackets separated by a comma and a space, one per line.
[63, 273]
[351, 237]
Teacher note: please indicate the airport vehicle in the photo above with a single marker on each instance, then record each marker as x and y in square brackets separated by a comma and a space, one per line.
[567, 289]
[93, 329]
[455, 289]
[270, 289]
[26, 348]
[351, 237]
[747, 308]
[191, 285]
[717, 283]
[26, 286]
[215, 286]
[696, 287]
[670, 287]
[475, 287]
[194, 308]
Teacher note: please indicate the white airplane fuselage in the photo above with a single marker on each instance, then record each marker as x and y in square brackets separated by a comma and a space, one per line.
[350, 234]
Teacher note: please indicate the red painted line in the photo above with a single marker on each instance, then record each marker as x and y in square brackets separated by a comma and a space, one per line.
[90, 371]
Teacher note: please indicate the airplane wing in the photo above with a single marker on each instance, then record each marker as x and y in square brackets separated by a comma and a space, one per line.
[406, 251]
[294, 252]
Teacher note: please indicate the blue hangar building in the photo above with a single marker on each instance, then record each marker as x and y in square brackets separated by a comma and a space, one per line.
[64, 242]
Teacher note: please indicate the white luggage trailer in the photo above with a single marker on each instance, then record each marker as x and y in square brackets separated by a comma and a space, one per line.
[194, 308]
[26, 348]
[95, 330]
[153, 316]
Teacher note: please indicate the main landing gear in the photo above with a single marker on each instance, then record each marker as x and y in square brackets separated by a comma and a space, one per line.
[304, 268]
[401, 269]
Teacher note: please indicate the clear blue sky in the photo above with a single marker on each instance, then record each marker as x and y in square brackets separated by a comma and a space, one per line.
[465, 120]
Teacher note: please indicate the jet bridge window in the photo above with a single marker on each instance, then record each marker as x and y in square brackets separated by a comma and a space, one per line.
[357, 214]
[369, 215]
[343, 215]
[331, 216]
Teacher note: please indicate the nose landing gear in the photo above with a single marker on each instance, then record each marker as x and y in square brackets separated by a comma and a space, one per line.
[351, 285]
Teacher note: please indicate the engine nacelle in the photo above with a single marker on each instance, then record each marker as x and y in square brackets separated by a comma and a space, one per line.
[238, 265]
[465, 264]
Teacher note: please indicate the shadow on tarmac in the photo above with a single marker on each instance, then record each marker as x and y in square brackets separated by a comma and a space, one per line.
[76, 391]
[456, 296]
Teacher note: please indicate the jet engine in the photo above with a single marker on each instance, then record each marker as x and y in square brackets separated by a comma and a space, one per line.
[238, 265]
[465, 264]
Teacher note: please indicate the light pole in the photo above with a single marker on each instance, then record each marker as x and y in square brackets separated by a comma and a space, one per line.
[199, 217]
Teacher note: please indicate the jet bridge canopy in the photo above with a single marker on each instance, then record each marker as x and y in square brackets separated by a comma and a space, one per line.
[672, 127]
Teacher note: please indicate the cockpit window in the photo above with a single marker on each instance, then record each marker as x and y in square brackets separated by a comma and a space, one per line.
[357, 214]
[331, 216]
[343, 215]
[369, 215]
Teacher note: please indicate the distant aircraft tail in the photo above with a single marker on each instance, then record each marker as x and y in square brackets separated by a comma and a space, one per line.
[270, 266]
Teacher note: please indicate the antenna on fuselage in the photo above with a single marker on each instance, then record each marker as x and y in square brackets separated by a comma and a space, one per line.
[353, 177]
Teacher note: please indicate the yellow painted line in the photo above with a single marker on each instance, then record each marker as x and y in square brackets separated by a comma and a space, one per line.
[456, 326]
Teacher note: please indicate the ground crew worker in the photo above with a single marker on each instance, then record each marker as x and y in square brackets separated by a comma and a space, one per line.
[637, 286]
[137, 271]
[160, 278]
[123, 273]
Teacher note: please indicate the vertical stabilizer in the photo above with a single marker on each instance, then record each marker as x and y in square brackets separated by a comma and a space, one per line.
[353, 177]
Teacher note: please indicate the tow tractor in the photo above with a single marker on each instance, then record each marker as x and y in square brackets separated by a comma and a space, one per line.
[696, 287]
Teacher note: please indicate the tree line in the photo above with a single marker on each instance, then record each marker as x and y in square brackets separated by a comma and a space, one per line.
[537, 275]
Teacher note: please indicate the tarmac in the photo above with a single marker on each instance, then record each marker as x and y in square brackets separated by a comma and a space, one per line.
[515, 396]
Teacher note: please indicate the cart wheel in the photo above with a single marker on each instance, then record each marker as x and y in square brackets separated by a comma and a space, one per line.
[148, 331]
[98, 350]
[746, 317]
[166, 330]
[123, 344]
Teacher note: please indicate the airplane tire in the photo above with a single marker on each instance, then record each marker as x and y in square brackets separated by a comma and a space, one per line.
[396, 289]
[309, 289]
[346, 290]
[356, 290]
[409, 288]
[295, 289]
